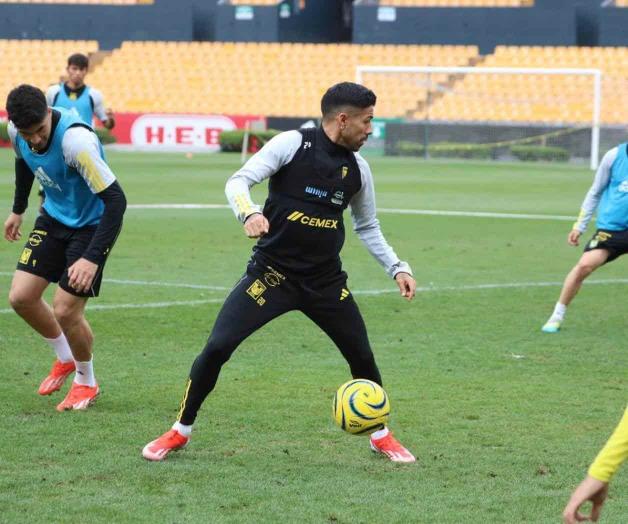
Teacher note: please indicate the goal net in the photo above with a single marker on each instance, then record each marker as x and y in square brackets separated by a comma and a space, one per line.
[498, 113]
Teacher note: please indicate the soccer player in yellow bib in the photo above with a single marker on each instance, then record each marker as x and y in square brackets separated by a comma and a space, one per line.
[594, 487]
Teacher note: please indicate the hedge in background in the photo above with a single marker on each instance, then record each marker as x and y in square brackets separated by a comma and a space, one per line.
[103, 134]
[481, 151]
[232, 140]
[536, 153]
[445, 150]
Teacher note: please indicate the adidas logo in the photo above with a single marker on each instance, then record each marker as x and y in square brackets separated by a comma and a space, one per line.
[344, 294]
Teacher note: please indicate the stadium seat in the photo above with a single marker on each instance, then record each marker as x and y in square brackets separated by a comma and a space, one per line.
[538, 98]
[233, 78]
[47, 69]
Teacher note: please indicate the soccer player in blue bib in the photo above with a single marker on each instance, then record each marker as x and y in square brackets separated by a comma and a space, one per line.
[83, 100]
[69, 244]
[79, 98]
[609, 195]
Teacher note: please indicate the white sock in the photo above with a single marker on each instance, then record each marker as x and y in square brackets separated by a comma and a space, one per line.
[559, 310]
[61, 348]
[85, 373]
[380, 434]
[186, 431]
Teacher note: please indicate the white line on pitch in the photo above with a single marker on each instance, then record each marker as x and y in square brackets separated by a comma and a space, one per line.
[463, 287]
[431, 212]
[150, 283]
[506, 285]
[165, 284]
[478, 214]
[471, 287]
[148, 305]
[178, 206]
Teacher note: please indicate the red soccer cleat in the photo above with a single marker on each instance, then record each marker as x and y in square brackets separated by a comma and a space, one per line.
[159, 448]
[390, 447]
[79, 397]
[55, 379]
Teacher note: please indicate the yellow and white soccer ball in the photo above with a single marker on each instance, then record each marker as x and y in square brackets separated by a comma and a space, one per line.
[361, 407]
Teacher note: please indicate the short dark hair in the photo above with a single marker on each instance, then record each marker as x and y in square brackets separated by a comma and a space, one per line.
[78, 60]
[26, 106]
[346, 94]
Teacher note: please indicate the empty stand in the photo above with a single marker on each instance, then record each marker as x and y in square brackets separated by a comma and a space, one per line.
[276, 79]
[37, 62]
[257, 78]
[548, 99]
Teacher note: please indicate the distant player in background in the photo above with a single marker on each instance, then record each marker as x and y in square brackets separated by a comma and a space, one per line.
[595, 485]
[609, 195]
[84, 101]
[81, 99]
[314, 175]
[69, 244]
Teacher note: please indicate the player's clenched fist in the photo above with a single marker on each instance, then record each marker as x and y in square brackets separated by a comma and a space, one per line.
[256, 225]
[574, 237]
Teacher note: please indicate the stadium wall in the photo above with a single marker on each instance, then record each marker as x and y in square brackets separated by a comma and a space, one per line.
[109, 24]
[484, 27]
[613, 26]
[318, 21]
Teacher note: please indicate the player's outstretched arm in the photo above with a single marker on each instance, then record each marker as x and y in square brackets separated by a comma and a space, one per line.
[594, 487]
[590, 489]
[24, 178]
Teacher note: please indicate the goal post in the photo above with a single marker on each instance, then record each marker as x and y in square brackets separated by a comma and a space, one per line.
[436, 93]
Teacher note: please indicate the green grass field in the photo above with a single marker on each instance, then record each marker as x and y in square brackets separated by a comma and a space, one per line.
[504, 419]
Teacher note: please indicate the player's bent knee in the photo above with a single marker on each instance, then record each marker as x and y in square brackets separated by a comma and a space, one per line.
[218, 349]
[20, 300]
[66, 315]
[586, 268]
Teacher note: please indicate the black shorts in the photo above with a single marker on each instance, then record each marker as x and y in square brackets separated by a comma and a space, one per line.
[52, 248]
[615, 242]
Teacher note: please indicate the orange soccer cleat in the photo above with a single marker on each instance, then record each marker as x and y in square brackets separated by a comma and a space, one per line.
[159, 448]
[79, 397]
[390, 447]
[55, 379]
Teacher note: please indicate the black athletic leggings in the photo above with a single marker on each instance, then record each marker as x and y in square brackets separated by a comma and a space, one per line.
[262, 295]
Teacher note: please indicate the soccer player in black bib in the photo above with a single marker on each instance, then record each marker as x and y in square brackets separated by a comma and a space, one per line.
[315, 174]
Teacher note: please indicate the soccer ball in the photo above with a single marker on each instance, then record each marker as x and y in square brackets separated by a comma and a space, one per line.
[360, 407]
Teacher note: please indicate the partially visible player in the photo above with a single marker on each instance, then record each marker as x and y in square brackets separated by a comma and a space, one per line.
[69, 244]
[609, 195]
[73, 94]
[594, 487]
[314, 175]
